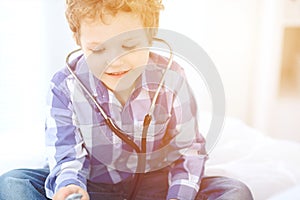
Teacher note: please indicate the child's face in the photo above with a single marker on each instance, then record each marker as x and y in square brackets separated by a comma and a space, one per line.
[95, 38]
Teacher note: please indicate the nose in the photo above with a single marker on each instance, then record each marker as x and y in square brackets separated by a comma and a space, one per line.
[115, 63]
[115, 58]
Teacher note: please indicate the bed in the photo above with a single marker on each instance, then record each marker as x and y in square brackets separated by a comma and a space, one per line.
[270, 167]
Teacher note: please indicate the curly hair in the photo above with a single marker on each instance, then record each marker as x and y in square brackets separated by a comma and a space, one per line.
[77, 10]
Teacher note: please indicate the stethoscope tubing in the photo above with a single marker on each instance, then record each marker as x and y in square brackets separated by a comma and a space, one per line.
[121, 134]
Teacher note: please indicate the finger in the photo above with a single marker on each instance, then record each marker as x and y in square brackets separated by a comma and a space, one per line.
[77, 189]
[62, 193]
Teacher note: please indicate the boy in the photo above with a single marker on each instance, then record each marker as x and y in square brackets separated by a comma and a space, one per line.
[85, 153]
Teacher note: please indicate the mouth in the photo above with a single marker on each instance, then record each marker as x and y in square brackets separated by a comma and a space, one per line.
[117, 74]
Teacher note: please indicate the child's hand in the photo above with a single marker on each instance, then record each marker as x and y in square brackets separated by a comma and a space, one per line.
[64, 192]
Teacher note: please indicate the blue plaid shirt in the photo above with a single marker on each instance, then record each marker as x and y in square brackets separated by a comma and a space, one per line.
[80, 146]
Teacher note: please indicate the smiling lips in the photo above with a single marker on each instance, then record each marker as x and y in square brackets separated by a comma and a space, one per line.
[116, 74]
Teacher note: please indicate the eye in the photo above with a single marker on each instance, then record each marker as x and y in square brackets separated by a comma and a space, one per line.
[129, 45]
[98, 50]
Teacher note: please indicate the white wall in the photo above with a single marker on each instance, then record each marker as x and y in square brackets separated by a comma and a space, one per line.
[22, 83]
[282, 113]
[228, 31]
[267, 71]
[22, 71]
[58, 37]
[244, 39]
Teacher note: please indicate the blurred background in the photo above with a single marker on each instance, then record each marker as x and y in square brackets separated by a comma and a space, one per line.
[255, 45]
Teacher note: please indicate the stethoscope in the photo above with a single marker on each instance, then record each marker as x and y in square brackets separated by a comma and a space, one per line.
[119, 132]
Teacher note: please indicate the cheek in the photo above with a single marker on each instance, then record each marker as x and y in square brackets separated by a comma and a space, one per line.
[86, 52]
[139, 58]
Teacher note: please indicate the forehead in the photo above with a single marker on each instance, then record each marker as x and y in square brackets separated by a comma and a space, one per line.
[123, 24]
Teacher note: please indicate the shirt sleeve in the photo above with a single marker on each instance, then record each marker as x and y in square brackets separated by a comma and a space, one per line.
[186, 172]
[67, 157]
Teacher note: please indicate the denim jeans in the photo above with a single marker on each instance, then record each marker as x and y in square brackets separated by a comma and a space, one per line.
[26, 184]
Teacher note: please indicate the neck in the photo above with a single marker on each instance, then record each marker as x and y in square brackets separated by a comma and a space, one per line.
[123, 95]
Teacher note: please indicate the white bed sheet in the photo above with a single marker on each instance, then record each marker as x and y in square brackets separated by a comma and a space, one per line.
[268, 166]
